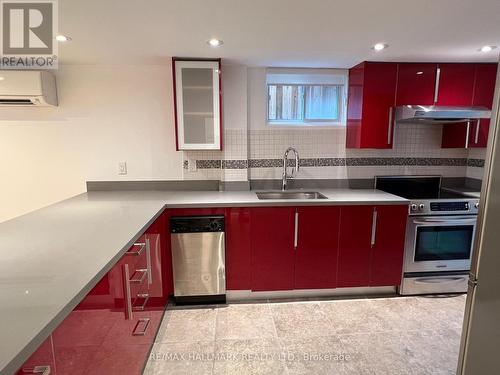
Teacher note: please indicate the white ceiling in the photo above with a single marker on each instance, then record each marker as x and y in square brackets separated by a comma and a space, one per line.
[295, 33]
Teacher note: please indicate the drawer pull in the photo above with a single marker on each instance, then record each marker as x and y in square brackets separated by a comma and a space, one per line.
[144, 323]
[139, 276]
[41, 370]
[142, 306]
[140, 245]
[127, 293]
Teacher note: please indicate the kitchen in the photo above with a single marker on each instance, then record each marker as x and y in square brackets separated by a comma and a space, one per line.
[336, 191]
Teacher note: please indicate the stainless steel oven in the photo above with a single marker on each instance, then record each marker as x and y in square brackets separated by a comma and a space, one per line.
[439, 243]
[439, 234]
[438, 253]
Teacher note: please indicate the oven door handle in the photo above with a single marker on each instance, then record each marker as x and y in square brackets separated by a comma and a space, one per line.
[441, 221]
[438, 280]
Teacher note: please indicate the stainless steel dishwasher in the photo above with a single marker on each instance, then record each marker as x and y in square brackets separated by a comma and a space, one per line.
[198, 259]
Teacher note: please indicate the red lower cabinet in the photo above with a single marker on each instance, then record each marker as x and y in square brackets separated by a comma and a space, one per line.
[273, 257]
[42, 361]
[371, 245]
[355, 246]
[388, 245]
[238, 249]
[316, 250]
[113, 328]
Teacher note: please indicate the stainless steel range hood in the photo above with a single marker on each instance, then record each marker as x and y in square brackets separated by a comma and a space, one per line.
[439, 114]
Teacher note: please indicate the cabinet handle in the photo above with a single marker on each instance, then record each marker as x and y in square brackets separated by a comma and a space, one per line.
[138, 279]
[141, 245]
[141, 307]
[142, 321]
[436, 88]
[374, 227]
[148, 261]
[296, 231]
[43, 370]
[476, 138]
[389, 128]
[127, 295]
[467, 135]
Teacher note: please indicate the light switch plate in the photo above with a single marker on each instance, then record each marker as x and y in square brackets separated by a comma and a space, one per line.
[122, 168]
[191, 165]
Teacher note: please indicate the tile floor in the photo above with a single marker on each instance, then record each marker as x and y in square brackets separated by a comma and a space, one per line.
[400, 335]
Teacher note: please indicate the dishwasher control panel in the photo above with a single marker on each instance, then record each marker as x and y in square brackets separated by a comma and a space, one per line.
[196, 224]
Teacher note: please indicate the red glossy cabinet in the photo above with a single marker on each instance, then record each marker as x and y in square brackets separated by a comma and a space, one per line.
[316, 249]
[42, 361]
[474, 133]
[272, 243]
[112, 329]
[371, 245]
[455, 85]
[294, 248]
[388, 245]
[238, 253]
[372, 92]
[416, 84]
[355, 246]
[484, 90]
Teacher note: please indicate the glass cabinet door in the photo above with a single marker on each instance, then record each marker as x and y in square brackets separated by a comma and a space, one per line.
[197, 101]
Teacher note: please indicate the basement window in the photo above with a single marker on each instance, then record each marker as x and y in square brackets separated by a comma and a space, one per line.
[306, 97]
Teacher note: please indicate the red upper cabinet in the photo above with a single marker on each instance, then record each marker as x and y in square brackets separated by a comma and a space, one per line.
[388, 243]
[484, 90]
[473, 133]
[416, 84]
[316, 249]
[455, 85]
[272, 236]
[372, 91]
[197, 103]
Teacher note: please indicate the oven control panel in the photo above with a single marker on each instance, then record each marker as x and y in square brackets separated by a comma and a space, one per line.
[449, 206]
[444, 207]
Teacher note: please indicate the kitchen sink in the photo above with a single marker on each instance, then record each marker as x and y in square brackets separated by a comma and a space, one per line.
[290, 195]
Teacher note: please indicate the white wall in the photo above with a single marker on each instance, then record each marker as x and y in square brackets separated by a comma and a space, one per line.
[107, 114]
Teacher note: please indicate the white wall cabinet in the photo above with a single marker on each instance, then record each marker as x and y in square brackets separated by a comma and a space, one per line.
[197, 96]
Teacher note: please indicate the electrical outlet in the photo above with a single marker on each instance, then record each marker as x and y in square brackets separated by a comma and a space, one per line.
[191, 165]
[122, 167]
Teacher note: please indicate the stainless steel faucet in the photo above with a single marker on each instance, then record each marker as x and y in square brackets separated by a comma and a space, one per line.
[294, 168]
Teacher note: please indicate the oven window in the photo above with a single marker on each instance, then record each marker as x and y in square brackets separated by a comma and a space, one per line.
[443, 242]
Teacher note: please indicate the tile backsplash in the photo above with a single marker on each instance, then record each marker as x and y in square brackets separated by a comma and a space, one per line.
[257, 154]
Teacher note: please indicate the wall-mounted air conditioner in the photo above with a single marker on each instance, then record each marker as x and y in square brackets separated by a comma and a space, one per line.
[27, 88]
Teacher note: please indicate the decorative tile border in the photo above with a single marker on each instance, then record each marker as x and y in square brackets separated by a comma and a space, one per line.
[339, 162]
[208, 164]
[234, 164]
[475, 163]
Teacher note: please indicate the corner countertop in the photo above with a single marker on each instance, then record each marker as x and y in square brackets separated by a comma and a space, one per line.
[52, 257]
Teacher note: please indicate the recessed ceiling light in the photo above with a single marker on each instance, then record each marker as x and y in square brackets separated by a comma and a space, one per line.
[215, 42]
[63, 38]
[380, 46]
[2, 78]
[487, 48]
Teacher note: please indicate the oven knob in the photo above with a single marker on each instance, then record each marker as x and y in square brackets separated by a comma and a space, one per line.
[413, 207]
[476, 204]
[421, 206]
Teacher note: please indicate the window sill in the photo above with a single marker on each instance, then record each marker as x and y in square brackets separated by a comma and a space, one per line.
[306, 124]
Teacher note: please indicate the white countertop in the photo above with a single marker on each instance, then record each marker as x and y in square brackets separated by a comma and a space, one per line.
[51, 258]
